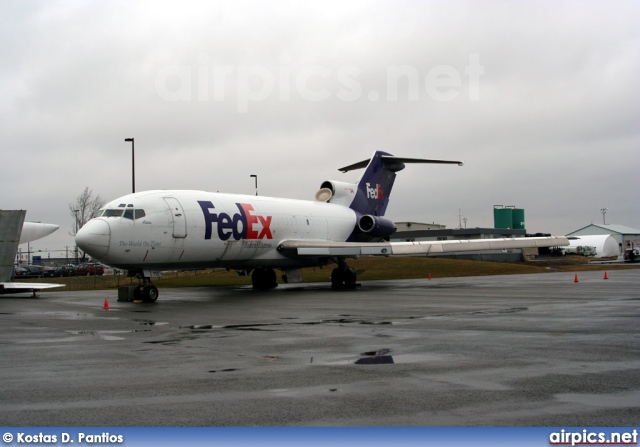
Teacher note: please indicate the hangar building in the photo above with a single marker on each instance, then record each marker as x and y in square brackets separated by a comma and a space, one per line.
[626, 237]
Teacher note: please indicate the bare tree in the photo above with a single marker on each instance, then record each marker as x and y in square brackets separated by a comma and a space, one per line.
[83, 208]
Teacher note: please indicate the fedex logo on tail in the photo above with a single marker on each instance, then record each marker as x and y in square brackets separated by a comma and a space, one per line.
[375, 192]
[242, 225]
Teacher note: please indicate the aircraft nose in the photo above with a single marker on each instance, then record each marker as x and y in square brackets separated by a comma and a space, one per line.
[94, 238]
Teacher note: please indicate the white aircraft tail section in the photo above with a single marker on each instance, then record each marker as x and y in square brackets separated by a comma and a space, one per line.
[11, 229]
[11, 222]
[374, 187]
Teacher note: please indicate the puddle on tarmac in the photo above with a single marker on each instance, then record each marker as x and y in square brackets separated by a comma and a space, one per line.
[375, 360]
[275, 326]
[379, 357]
[151, 322]
[65, 315]
[510, 310]
[106, 335]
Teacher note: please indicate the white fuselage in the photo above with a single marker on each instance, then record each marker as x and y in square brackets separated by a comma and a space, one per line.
[196, 229]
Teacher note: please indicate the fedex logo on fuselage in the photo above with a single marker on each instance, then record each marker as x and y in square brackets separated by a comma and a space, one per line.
[375, 192]
[242, 225]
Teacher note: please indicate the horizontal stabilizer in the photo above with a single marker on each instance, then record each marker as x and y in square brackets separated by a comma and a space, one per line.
[389, 160]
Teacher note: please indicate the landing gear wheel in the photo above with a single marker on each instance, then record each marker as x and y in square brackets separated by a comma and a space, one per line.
[337, 279]
[264, 279]
[150, 294]
[138, 293]
[343, 278]
[350, 278]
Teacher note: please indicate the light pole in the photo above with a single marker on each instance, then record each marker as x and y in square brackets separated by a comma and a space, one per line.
[76, 211]
[256, 178]
[133, 164]
[604, 211]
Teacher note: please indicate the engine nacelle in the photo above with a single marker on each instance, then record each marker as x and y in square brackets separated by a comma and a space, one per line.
[339, 193]
[376, 227]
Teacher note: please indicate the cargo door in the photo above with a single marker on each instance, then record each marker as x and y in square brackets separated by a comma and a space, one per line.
[178, 217]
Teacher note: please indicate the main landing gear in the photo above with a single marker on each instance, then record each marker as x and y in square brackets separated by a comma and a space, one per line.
[264, 279]
[343, 276]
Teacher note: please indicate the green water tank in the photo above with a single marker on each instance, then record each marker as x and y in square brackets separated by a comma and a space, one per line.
[502, 217]
[517, 215]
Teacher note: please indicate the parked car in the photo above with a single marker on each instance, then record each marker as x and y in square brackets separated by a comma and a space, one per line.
[28, 271]
[20, 272]
[108, 270]
[49, 272]
[89, 270]
[65, 270]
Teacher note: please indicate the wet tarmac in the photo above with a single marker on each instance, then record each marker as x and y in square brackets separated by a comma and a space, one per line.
[518, 350]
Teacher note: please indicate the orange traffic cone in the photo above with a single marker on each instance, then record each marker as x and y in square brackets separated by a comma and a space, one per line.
[106, 304]
[429, 277]
[606, 276]
[575, 279]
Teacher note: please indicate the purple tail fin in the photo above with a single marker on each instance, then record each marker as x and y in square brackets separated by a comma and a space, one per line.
[374, 187]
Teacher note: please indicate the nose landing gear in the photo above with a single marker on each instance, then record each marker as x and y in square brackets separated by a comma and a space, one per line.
[145, 291]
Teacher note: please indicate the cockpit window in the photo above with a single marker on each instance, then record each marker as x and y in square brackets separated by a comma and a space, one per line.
[112, 213]
[127, 213]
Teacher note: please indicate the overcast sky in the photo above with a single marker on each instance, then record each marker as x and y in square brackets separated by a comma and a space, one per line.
[539, 99]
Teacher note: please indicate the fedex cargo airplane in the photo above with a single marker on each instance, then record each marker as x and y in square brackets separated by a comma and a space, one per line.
[162, 230]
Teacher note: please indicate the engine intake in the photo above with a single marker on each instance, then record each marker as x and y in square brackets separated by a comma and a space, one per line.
[375, 226]
[339, 193]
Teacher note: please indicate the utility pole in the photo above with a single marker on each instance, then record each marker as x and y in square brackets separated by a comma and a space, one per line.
[133, 164]
[256, 178]
[604, 212]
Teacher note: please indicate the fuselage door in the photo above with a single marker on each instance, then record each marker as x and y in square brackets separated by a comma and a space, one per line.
[178, 217]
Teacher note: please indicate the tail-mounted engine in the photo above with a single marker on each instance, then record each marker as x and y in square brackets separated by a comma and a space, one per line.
[376, 227]
[339, 193]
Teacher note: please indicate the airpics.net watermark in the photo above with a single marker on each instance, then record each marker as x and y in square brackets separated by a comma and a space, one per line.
[248, 84]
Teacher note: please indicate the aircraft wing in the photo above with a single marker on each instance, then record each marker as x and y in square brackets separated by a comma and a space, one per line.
[21, 287]
[301, 248]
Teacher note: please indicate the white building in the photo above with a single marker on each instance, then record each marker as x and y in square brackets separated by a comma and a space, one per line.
[596, 245]
[625, 237]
